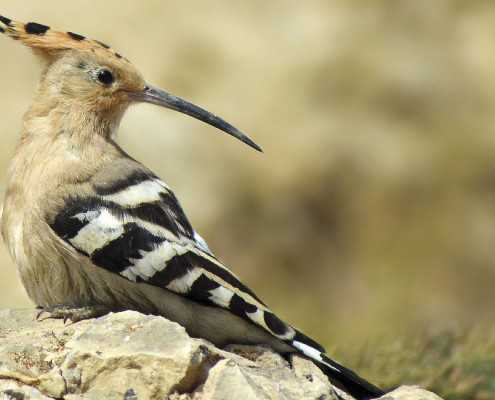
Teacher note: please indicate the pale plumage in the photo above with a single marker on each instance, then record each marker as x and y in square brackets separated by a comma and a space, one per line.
[91, 230]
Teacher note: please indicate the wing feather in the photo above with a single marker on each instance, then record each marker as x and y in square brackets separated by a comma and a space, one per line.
[136, 228]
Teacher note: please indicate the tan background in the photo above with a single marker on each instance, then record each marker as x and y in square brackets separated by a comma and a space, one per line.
[371, 211]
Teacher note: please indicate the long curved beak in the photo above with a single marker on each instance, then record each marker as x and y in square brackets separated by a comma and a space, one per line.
[162, 98]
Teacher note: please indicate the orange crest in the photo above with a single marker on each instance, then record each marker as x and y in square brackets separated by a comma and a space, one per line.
[49, 43]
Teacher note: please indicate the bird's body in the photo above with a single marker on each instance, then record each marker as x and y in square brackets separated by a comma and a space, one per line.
[68, 276]
[92, 230]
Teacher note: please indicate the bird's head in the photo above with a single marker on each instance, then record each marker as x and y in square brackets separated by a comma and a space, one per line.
[91, 80]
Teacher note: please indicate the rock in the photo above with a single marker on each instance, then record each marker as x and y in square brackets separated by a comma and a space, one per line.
[132, 356]
[410, 393]
[12, 390]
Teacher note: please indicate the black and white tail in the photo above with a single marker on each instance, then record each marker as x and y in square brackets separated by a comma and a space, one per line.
[352, 383]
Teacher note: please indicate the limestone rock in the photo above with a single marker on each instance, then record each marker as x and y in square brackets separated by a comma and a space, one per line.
[410, 393]
[132, 356]
[12, 390]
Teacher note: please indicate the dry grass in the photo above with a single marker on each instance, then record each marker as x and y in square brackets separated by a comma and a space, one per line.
[371, 213]
[456, 366]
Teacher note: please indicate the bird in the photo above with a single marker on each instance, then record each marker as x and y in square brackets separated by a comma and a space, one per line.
[92, 230]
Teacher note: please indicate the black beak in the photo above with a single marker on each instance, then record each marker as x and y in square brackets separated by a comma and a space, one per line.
[162, 98]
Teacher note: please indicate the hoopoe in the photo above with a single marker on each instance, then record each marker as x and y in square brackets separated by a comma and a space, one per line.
[91, 230]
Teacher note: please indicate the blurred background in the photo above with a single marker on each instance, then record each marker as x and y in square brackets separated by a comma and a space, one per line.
[369, 221]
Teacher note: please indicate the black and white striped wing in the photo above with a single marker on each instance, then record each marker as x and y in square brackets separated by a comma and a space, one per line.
[137, 229]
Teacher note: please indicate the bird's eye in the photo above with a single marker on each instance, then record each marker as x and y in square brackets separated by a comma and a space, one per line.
[105, 76]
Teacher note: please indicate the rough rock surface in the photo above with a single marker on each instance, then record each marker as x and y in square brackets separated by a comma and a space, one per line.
[410, 393]
[132, 356]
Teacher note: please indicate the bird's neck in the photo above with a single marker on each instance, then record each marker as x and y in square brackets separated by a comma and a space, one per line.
[59, 143]
[52, 119]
